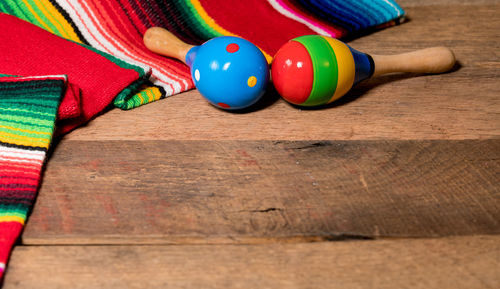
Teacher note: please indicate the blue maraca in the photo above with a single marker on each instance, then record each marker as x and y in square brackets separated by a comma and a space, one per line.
[230, 72]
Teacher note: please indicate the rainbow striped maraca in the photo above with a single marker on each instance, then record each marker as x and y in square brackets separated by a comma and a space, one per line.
[314, 70]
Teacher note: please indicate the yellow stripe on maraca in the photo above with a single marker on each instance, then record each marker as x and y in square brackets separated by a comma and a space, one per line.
[346, 67]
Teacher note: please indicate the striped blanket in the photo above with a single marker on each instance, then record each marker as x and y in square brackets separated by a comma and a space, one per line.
[28, 109]
[117, 26]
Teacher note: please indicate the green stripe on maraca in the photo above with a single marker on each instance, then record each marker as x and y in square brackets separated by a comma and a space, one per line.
[325, 69]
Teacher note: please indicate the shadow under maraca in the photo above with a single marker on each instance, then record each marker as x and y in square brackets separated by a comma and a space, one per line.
[361, 89]
[457, 66]
[270, 97]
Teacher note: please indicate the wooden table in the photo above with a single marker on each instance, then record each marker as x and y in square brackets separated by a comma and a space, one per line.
[394, 186]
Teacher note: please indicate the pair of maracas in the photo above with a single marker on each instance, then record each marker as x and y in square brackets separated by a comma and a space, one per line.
[232, 73]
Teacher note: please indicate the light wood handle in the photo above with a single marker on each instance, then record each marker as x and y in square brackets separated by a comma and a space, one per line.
[161, 41]
[428, 60]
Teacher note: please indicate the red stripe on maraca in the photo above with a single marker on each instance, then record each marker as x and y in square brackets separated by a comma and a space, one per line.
[292, 72]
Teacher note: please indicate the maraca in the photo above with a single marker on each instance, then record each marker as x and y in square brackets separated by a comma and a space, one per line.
[314, 70]
[230, 72]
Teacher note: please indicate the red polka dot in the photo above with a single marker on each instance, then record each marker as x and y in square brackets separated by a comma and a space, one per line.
[232, 48]
[223, 105]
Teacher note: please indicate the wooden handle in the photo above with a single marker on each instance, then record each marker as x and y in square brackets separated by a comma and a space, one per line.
[428, 60]
[161, 41]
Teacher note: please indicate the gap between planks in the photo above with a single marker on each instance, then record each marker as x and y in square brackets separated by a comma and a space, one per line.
[452, 262]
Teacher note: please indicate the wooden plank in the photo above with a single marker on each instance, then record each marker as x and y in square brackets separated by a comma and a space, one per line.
[465, 262]
[157, 192]
[420, 3]
[464, 104]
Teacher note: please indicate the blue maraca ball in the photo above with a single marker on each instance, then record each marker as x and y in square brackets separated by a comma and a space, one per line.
[230, 72]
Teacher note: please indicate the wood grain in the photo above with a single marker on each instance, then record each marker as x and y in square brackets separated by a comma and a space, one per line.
[402, 155]
[463, 104]
[465, 262]
[421, 3]
[108, 192]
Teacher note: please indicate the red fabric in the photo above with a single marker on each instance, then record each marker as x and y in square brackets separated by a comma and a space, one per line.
[70, 104]
[249, 18]
[10, 232]
[28, 50]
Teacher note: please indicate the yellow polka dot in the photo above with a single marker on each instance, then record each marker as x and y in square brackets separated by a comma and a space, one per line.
[252, 81]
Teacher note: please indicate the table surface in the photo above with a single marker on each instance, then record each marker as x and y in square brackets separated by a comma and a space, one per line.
[396, 185]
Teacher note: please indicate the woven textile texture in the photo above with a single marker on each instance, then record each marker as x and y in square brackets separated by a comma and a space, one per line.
[28, 110]
[96, 78]
[116, 27]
